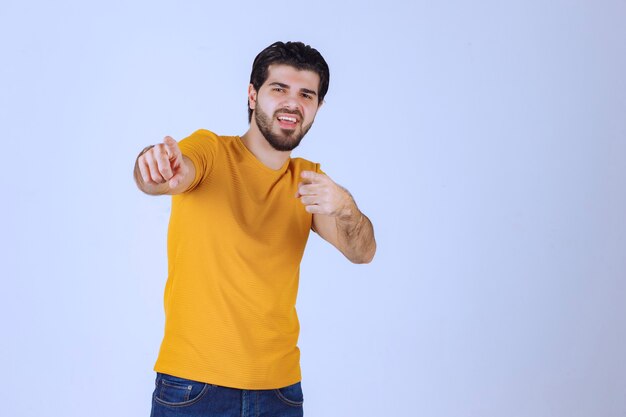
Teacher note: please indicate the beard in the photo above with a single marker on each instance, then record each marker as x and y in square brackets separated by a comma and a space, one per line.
[287, 139]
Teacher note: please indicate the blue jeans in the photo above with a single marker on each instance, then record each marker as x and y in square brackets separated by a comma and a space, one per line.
[178, 397]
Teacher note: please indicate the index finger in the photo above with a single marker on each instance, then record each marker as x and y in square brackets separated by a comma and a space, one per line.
[171, 146]
[312, 176]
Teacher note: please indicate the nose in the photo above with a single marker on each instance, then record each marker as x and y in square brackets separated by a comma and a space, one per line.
[290, 105]
[291, 102]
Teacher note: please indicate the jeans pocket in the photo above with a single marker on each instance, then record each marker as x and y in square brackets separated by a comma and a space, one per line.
[177, 392]
[291, 395]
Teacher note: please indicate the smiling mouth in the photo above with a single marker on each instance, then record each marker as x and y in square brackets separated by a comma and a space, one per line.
[287, 122]
[287, 119]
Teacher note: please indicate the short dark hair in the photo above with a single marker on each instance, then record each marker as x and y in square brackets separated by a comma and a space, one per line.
[295, 54]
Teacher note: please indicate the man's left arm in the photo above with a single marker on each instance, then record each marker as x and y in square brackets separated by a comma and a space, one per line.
[336, 217]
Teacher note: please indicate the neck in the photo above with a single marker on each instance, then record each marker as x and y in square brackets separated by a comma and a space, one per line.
[257, 144]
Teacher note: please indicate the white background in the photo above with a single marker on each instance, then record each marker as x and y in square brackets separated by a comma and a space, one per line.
[485, 140]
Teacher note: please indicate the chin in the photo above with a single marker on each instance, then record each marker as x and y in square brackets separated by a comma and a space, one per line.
[282, 144]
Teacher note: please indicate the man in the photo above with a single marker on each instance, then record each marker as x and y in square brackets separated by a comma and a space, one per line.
[242, 209]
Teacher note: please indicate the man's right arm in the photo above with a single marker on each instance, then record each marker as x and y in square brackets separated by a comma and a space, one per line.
[163, 169]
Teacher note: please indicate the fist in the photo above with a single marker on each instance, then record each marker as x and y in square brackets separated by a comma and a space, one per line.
[321, 195]
[162, 163]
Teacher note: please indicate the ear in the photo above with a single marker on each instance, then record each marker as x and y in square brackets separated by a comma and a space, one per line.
[252, 93]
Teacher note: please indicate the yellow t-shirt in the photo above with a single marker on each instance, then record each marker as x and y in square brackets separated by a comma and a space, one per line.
[235, 242]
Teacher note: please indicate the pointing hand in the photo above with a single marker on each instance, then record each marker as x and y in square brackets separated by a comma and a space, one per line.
[321, 195]
[162, 163]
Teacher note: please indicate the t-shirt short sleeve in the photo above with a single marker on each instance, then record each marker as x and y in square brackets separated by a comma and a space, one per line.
[318, 169]
[200, 147]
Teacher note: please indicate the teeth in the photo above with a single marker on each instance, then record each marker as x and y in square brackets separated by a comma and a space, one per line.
[287, 119]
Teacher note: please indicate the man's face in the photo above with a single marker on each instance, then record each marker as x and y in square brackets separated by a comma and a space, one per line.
[285, 105]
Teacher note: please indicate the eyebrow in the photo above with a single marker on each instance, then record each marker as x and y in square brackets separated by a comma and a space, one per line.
[304, 90]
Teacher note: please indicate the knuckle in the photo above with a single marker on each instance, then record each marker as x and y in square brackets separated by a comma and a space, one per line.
[158, 149]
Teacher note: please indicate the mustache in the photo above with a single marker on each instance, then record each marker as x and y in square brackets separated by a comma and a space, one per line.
[288, 111]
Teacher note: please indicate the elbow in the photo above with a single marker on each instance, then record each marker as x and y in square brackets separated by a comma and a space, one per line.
[362, 261]
[365, 257]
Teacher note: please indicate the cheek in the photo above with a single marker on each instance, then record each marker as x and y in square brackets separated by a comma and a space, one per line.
[270, 106]
[263, 107]
[309, 113]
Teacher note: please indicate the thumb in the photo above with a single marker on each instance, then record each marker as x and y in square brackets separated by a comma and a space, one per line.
[172, 147]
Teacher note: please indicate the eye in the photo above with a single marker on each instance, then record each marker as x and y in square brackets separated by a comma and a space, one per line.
[279, 89]
[307, 96]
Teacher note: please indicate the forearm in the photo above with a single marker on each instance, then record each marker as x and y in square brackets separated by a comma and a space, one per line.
[356, 236]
